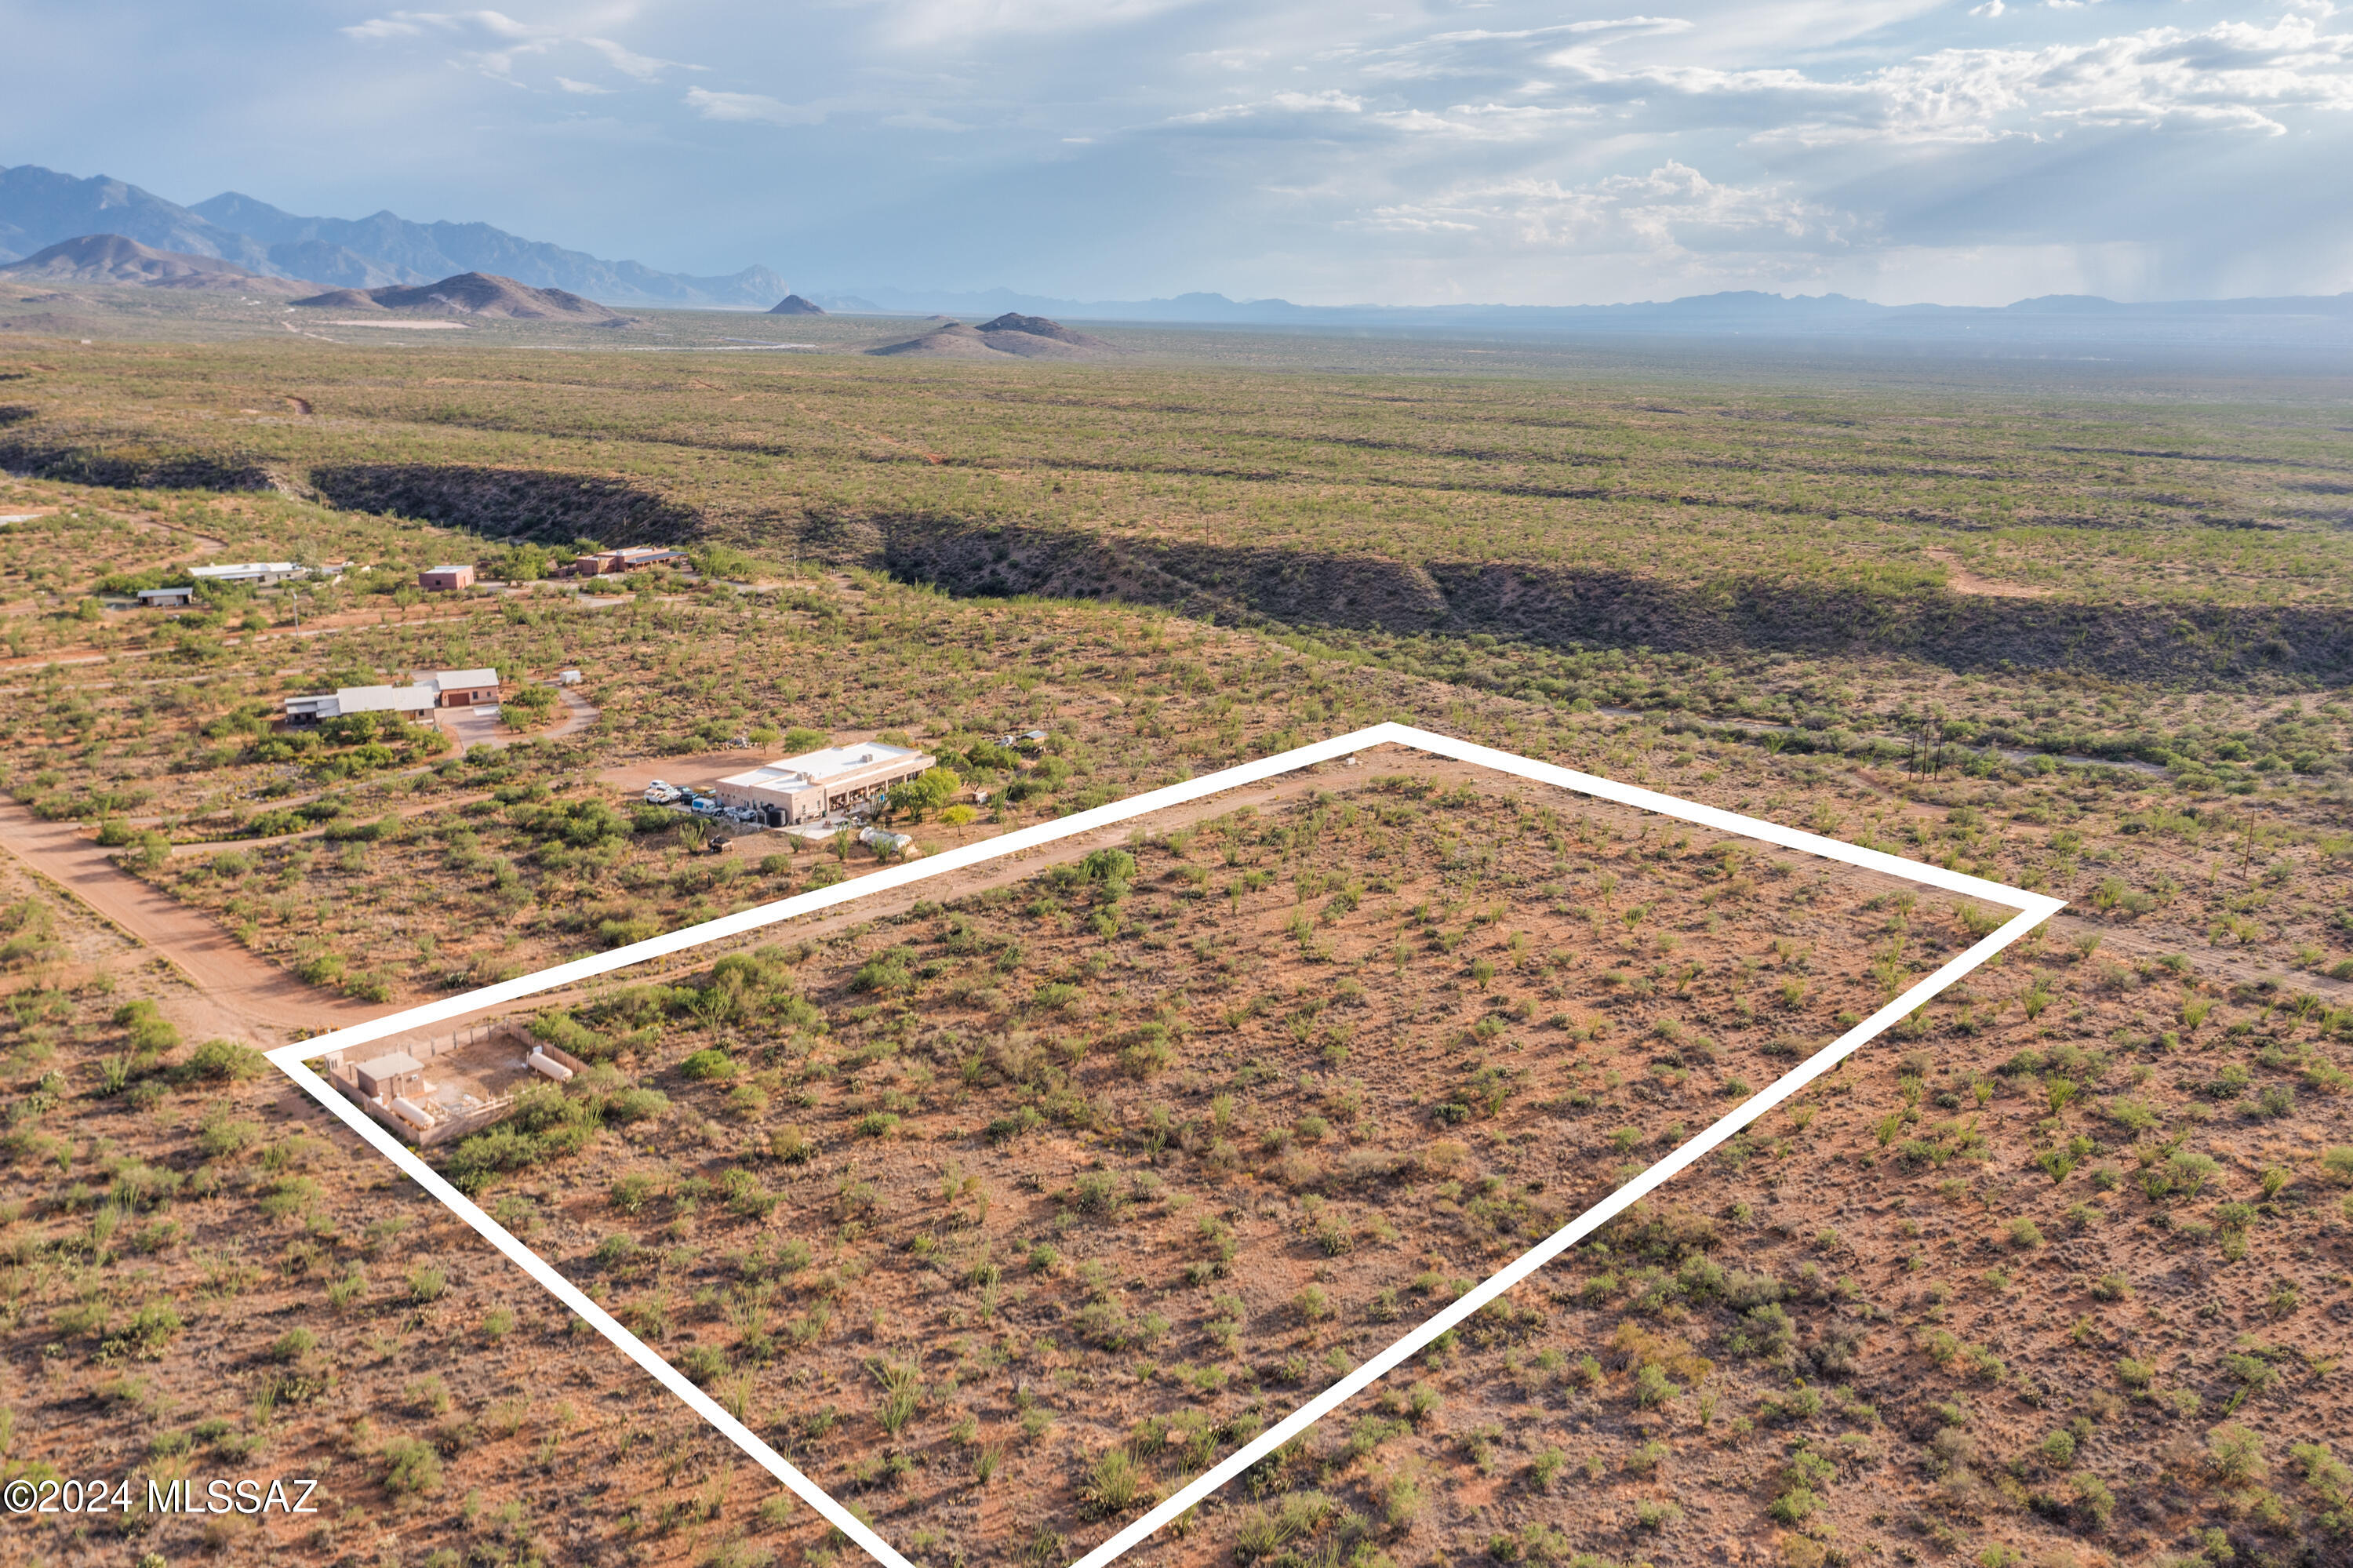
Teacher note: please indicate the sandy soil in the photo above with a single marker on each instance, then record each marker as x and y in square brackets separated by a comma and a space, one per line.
[252, 997]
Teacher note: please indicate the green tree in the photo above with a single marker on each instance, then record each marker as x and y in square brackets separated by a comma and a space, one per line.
[927, 791]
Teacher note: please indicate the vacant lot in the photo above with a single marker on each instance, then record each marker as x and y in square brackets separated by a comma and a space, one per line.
[1001, 1216]
[2061, 1278]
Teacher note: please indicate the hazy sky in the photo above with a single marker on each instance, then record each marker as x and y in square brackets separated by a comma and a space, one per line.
[1564, 153]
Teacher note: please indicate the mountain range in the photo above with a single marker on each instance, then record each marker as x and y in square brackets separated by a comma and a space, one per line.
[40, 207]
[2309, 321]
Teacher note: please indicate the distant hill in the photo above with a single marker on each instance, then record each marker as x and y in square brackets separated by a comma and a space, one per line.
[1017, 337]
[40, 207]
[794, 305]
[2302, 321]
[472, 294]
[112, 259]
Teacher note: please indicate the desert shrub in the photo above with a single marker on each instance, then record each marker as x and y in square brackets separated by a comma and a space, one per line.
[225, 1059]
[886, 972]
[1116, 1483]
[150, 1032]
[2236, 1455]
[411, 1467]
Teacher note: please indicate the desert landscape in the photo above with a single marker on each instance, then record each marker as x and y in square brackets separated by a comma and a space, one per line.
[1006, 1207]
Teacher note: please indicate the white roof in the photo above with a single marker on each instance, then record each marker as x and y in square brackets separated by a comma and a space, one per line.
[451, 566]
[381, 699]
[250, 569]
[452, 680]
[386, 1066]
[816, 766]
[165, 592]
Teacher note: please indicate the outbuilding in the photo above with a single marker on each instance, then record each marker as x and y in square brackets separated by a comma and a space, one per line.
[166, 598]
[445, 578]
[389, 1077]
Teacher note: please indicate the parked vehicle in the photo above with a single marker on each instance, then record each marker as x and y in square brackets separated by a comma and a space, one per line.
[703, 806]
[661, 794]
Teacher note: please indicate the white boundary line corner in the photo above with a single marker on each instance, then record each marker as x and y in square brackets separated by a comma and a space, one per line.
[2033, 910]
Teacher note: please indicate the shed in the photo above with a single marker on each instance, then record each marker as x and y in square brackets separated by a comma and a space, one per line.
[166, 598]
[391, 1078]
[446, 577]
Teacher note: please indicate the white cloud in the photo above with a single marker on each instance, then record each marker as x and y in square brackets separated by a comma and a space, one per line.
[751, 108]
[1671, 212]
[501, 41]
[1632, 25]
[1330, 100]
[2233, 76]
[568, 85]
[396, 27]
[644, 68]
[1489, 121]
[924, 22]
[1228, 59]
[1477, 52]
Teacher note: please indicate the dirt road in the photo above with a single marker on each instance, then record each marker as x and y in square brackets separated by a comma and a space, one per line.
[255, 997]
[472, 728]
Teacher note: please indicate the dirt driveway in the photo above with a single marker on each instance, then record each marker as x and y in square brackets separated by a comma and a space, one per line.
[473, 726]
[251, 995]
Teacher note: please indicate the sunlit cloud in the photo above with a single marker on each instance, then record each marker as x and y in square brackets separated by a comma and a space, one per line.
[751, 108]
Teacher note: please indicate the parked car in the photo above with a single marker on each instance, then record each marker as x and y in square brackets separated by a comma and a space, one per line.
[661, 794]
[703, 806]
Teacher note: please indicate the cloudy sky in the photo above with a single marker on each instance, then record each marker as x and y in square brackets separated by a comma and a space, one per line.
[1968, 152]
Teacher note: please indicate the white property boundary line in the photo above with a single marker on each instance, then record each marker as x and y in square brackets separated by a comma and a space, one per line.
[2033, 910]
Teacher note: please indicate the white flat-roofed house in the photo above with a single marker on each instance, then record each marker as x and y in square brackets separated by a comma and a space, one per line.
[819, 783]
[408, 701]
[460, 688]
[166, 598]
[261, 574]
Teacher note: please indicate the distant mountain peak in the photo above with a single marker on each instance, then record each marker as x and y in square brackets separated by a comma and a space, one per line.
[115, 259]
[1011, 336]
[39, 207]
[794, 305]
[473, 294]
